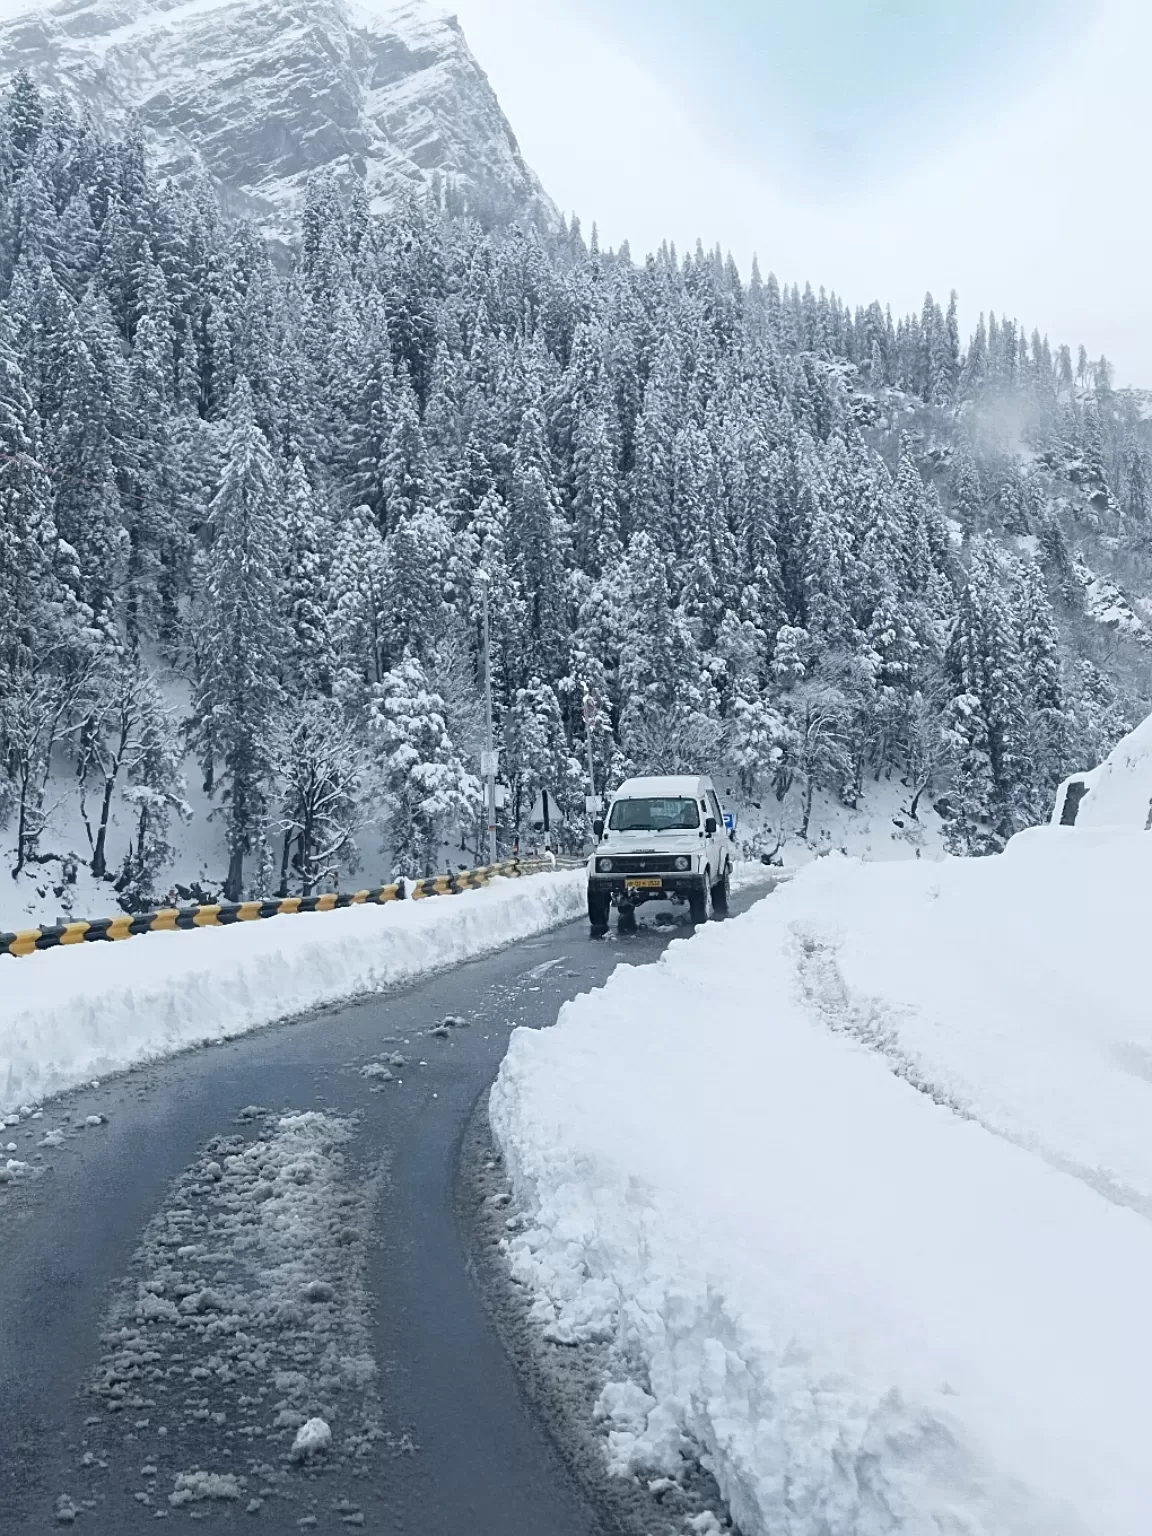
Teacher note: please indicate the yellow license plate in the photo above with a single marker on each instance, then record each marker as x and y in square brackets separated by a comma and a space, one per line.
[643, 885]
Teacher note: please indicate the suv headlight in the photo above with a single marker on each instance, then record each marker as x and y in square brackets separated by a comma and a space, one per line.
[683, 862]
[604, 866]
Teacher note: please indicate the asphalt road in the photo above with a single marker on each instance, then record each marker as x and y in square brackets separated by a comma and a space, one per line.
[106, 1413]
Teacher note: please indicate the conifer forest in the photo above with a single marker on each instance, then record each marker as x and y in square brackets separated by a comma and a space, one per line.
[246, 492]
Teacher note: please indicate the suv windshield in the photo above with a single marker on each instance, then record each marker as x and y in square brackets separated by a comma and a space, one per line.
[654, 815]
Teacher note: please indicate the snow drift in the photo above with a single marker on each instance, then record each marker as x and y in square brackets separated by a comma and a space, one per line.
[68, 1015]
[1116, 794]
[860, 1184]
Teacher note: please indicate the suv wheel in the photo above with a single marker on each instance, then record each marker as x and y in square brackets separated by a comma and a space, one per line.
[599, 905]
[700, 903]
[720, 895]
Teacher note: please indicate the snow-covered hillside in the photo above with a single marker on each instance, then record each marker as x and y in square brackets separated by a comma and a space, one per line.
[262, 93]
[1118, 793]
[850, 1197]
[872, 579]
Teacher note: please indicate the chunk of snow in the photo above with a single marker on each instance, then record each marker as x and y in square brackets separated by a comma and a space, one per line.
[312, 1437]
[377, 1071]
[625, 1403]
[195, 1487]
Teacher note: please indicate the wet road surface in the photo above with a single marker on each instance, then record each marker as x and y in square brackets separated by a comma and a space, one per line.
[263, 1233]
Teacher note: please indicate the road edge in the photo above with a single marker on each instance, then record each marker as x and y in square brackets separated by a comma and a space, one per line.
[560, 1383]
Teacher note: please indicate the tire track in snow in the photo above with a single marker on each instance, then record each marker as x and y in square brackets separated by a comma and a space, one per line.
[873, 1023]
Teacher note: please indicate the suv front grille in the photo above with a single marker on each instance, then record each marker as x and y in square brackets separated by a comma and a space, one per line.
[644, 863]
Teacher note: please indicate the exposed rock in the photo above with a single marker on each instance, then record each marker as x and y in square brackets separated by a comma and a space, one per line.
[262, 93]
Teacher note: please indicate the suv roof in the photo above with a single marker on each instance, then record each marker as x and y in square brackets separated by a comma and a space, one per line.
[684, 784]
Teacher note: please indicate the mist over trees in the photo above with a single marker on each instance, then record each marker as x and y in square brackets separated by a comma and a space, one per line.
[812, 544]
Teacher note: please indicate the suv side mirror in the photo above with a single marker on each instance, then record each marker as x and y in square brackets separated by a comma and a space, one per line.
[710, 826]
[598, 828]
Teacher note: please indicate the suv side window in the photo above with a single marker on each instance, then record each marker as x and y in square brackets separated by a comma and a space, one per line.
[716, 811]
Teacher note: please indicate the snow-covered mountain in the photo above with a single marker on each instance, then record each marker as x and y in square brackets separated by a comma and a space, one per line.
[262, 93]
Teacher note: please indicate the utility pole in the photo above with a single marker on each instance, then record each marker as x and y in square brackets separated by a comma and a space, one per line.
[488, 764]
[589, 714]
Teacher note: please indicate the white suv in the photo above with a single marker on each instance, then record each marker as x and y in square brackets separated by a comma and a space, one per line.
[664, 839]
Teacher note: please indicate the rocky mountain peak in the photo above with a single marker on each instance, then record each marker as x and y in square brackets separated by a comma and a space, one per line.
[262, 93]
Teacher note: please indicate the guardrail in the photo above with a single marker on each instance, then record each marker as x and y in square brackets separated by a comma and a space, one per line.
[224, 913]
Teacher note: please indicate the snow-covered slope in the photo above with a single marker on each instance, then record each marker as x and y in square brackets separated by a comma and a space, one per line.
[1116, 794]
[850, 1197]
[262, 93]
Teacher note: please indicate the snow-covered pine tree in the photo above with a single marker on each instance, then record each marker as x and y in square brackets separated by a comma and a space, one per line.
[320, 769]
[967, 494]
[155, 796]
[309, 666]
[757, 739]
[34, 607]
[1045, 723]
[595, 499]
[538, 758]
[357, 608]
[668, 719]
[426, 786]
[243, 638]
[549, 405]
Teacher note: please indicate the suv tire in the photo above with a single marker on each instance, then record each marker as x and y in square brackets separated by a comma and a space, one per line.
[720, 895]
[700, 903]
[599, 906]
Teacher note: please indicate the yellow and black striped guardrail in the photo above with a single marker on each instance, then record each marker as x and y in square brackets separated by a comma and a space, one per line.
[223, 914]
[474, 879]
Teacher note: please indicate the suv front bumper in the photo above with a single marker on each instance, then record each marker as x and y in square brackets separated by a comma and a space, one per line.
[637, 888]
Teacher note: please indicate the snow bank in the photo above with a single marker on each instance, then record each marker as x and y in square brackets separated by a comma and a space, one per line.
[863, 1180]
[1116, 794]
[68, 1015]
[747, 874]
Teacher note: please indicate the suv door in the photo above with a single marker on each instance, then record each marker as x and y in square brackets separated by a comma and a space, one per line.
[720, 855]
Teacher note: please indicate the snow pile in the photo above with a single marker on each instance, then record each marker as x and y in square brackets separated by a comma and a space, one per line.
[859, 1186]
[195, 1487]
[247, 1307]
[313, 1437]
[748, 874]
[68, 1015]
[1116, 794]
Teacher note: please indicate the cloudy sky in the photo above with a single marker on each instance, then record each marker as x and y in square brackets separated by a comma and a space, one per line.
[878, 147]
